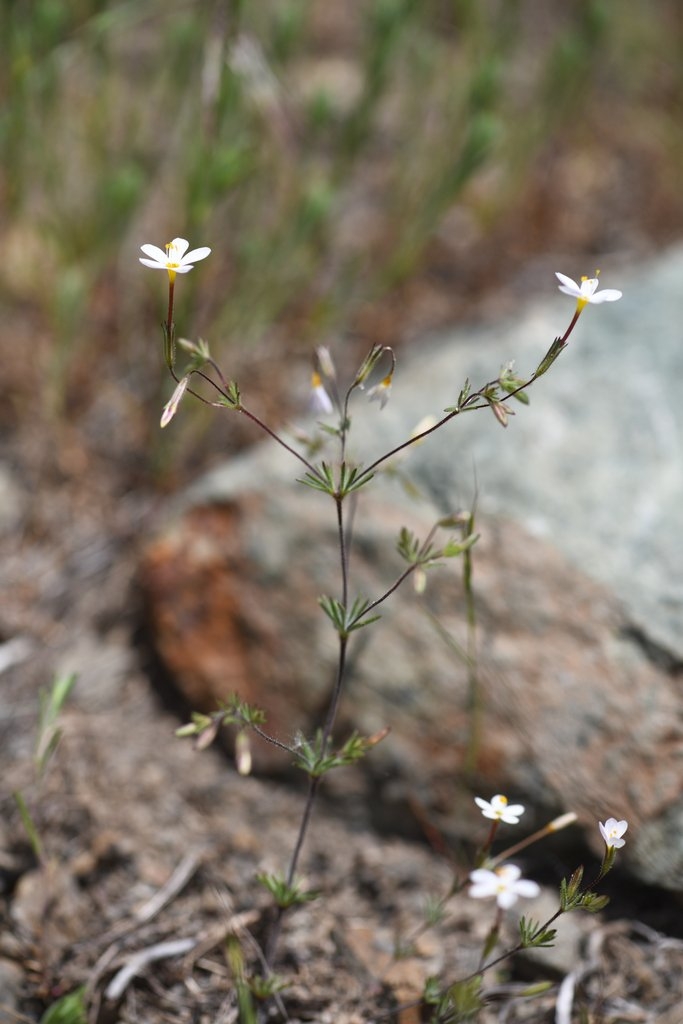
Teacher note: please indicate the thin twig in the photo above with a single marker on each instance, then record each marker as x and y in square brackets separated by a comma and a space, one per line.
[138, 961]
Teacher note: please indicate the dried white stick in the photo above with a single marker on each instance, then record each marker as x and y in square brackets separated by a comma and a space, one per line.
[138, 961]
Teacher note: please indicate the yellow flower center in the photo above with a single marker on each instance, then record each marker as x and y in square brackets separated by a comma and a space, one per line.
[172, 261]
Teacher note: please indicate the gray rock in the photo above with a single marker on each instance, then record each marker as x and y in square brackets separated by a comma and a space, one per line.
[595, 463]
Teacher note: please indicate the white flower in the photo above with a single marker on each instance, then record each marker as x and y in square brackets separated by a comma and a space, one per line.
[381, 392]
[321, 403]
[612, 832]
[174, 258]
[504, 883]
[587, 291]
[498, 809]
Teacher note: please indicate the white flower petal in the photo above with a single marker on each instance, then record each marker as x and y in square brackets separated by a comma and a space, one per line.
[525, 887]
[153, 264]
[197, 254]
[154, 252]
[180, 247]
[184, 268]
[484, 883]
[321, 402]
[481, 875]
[515, 809]
[510, 872]
[607, 295]
[506, 899]
[568, 283]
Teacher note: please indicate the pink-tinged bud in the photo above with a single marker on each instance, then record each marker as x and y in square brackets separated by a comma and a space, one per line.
[325, 362]
[171, 407]
[243, 753]
[562, 822]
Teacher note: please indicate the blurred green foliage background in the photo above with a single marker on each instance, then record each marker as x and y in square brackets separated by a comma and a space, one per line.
[327, 152]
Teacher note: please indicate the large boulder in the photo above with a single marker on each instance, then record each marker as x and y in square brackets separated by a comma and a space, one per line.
[578, 578]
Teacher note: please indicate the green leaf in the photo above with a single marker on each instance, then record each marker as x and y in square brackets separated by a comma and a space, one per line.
[69, 1009]
[29, 825]
[408, 545]
[233, 395]
[537, 989]
[593, 903]
[464, 1000]
[344, 620]
[321, 480]
[264, 988]
[285, 895]
[51, 703]
[197, 725]
[570, 891]
[549, 358]
[431, 994]
[351, 478]
[534, 936]
[457, 547]
[464, 393]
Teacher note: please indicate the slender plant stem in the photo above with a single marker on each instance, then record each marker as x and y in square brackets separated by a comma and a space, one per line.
[469, 405]
[169, 315]
[283, 444]
[314, 780]
[515, 949]
[474, 688]
[337, 691]
[405, 574]
[271, 739]
[313, 787]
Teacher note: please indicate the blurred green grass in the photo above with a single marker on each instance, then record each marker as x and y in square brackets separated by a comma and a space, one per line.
[320, 149]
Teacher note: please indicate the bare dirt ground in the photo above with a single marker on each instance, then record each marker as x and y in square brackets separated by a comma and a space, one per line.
[148, 842]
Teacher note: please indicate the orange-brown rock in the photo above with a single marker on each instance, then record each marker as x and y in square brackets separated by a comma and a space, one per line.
[576, 717]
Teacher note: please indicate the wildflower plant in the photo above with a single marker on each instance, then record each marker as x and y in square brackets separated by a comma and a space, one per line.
[349, 611]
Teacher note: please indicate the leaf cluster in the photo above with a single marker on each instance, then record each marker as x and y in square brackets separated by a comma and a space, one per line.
[417, 552]
[284, 893]
[533, 935]
[351, 478]
[316, 759]
[234, 711]
[347, 620]
[572, 897]
[458, 1004]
